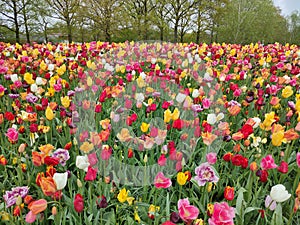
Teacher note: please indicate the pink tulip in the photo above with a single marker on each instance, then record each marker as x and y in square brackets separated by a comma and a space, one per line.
[268, 163]
[206, 103]
[222, 214]
[30, 217]
[211, 158]
[298, 159]
[161, 181]
[12, 135]
[186, 211]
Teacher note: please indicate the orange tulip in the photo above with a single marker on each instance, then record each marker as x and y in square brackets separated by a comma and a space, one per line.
[38, 206]
[104, 135]
[48, 186]
[291, 134]
[37, 158]
[46, 148]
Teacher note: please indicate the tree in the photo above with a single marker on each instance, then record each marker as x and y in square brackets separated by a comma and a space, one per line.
[160, 16]
[66, 11]
[245, 21]
[103, 14]
[294, 19]
[11, 15]
[180, 12]
[140, 13]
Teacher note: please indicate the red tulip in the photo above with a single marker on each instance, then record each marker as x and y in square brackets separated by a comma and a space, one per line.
[229, 193]
[78, 203]
[283, 167]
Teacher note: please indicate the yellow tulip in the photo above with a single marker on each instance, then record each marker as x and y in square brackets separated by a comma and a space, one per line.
[49, 113]
[122, 196]
[278, 138]
[61, 70]
[287, 92]
[145, 127]
[28, 78]
[167, 116]
[175, 114]
[181, 178]
[65, 101]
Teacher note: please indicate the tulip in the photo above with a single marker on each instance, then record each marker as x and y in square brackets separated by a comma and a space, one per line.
[279, 193]
[78, 203]
[229, 193]
[186, 211]
[181, 178]
[60, 180]
[122, 196]
[49, 113]
[161, 181]
[38, 206]
[82, 162]
[30, 217]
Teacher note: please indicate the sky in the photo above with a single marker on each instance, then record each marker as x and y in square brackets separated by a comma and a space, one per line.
[288, 6]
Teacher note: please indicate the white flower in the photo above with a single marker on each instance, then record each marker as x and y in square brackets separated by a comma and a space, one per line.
[14, 77]
[50, 67]
[143, 75]
[33, 88]
[257, 122]
[82, 162]
[180, 97]
[39, 81]
[279, 193]
[195, 93]
[60, 180]
[139, 97]
[213, 118]
[153, 60]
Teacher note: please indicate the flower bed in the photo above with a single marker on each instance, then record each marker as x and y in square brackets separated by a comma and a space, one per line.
[157, 133]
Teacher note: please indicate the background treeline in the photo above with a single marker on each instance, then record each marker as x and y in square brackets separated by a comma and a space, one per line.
[232, 21]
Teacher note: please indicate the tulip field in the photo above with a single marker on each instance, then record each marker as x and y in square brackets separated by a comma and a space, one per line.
[149, 133]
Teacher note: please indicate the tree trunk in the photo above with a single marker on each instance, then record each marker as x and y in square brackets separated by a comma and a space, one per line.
[26, 22]
[145, 21]
[176, 31]
[161, 33]
[198, 28]
[17, 31]
[69, 27]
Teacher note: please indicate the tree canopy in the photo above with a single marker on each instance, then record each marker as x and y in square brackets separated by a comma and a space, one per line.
[234, 21]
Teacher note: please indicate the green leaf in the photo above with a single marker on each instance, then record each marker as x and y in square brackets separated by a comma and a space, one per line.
[250, 209]
[239, 201]
[278, 215]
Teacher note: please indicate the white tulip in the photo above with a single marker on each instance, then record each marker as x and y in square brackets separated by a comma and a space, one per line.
[211, 118]
[33, 88]
[14, 77]
[279, 193]
[39, 81]
[257, 122]
[143, 75]
[195, 93]
[180, 97]
[82, 162]
[60, 180]
[50, 67]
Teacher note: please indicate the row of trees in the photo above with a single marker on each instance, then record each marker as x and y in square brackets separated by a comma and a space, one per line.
[238, 21]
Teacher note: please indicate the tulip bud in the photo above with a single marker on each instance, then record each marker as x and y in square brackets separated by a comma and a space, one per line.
[145, 159]
[253, 166]
[19, 200]
[79, 183]
[54, 210]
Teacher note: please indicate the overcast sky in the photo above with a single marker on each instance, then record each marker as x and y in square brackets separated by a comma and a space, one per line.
[288, 6]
